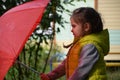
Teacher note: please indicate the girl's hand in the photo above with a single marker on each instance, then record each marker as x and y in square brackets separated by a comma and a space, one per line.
[44, 76]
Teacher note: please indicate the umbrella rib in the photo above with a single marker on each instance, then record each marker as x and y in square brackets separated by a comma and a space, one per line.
[28, 67]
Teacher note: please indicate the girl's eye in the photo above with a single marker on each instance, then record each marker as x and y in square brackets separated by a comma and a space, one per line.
[73, 26]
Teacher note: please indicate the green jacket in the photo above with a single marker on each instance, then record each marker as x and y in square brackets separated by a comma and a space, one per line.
[101, 42]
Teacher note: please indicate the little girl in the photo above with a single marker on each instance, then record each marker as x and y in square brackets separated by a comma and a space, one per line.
[85, 58]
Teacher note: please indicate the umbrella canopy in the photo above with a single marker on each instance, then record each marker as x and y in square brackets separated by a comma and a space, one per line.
[16, 25]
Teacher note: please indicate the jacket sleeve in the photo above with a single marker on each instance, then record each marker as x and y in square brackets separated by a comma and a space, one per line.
[88, 57]
[57, 72]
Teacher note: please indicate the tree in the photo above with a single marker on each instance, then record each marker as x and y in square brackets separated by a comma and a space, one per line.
[34, 54]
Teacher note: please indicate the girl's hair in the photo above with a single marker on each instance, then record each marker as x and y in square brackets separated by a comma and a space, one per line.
[89, 15]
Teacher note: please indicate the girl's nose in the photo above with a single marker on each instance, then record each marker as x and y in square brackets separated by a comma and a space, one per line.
[71, 30]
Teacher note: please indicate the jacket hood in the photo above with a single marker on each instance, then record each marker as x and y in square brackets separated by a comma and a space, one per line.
[101, 39]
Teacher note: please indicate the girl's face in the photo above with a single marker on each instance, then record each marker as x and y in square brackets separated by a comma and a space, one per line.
[77, 29]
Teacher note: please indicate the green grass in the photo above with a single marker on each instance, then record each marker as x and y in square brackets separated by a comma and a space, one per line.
[113, 73]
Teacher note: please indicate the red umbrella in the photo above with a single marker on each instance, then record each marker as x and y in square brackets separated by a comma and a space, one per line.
[16, 25]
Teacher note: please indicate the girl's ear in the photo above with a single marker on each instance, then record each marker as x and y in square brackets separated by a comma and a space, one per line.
[87, 27]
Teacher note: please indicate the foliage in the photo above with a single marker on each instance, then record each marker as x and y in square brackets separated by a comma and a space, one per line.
[8, 4]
